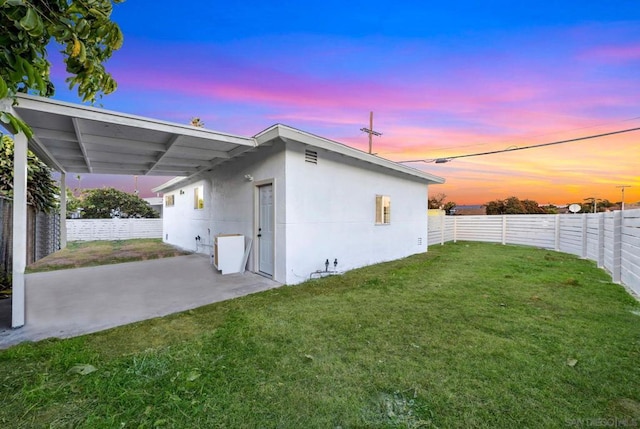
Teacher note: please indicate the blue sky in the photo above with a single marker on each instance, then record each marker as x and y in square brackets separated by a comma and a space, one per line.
[443, 78]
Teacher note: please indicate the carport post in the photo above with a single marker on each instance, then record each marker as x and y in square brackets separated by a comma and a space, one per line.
[63, 210]
[19, 228]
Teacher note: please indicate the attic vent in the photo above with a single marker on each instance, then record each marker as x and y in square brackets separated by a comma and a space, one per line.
[311, 156]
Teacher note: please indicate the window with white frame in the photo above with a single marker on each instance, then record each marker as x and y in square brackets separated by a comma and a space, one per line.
[169, 200]
[198, 197]
[383, 209]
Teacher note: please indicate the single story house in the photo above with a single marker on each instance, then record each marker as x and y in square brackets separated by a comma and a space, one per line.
[301, 203]
[300, 200]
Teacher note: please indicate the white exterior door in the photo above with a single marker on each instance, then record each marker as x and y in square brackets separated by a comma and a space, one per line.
[265, 229]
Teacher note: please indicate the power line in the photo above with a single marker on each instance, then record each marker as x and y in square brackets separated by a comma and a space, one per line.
[513, 149]
[528, 137]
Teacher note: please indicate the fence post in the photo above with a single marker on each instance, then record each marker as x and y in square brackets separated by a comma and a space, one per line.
[583, 253]
[442, 223]
[455, 229]
[557, 235]
[601, 240]
[504, 229]
[616, 269]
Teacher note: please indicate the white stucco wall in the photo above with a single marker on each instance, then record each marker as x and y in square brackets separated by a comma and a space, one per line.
[234, 199]
[182, 223]
[322, 211]
[331, 214]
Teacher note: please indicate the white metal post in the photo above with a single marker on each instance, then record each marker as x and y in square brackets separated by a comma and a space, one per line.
[601, 241]
[557, 234]
[455, 229]
[583, 252]
[63, 210]
[19, 229]
[616, 269]
[504, 229]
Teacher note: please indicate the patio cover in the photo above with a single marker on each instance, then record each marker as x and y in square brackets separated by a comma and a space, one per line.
[81, 139]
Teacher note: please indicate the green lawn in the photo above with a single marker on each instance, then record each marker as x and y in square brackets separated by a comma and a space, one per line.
[90, 253]
[470, 335]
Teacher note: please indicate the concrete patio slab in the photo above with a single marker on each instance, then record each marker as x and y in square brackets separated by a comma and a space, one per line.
[68, 303]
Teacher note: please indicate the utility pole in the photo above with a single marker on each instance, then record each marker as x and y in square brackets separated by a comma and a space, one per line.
[622, 188]
[370, 131]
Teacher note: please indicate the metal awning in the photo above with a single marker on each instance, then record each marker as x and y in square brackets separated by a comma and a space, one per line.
[82, 139]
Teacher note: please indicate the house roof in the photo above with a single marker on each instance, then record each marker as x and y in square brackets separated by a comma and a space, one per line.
[287, 134]
[81, 139]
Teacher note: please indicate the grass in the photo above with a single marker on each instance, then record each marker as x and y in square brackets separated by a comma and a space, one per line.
[90, 253]
[470, 335]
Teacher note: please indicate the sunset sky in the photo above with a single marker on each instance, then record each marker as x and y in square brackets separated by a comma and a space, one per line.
[442, 78]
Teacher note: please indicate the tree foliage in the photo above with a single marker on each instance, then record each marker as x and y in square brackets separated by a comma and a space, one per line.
[513, 205]
[42, 190]
[108, 203]
[601, 205]
[437, 202]
[82, 28]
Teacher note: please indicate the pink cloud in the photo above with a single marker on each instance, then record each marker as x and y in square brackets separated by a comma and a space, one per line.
[616, 53]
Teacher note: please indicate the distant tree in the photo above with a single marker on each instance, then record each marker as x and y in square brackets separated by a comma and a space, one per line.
[449, 207]
[74, 204]
[42, 190]
[108, 203]
[83, 28]
[437, 201]
[495, 207]
[601, 205]
[532, 207]
[513, 205]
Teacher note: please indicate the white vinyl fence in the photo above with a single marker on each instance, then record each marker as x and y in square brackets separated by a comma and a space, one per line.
[113, 229]
[610, 239]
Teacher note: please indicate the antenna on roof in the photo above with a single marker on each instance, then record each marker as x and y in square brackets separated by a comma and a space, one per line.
[370, 131]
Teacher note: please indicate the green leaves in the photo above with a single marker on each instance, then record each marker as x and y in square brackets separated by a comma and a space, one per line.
[108, 203]
[42, 190]
[32, 23]
[83, 27]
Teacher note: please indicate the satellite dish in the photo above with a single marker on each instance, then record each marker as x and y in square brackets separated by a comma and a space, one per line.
[575, 208]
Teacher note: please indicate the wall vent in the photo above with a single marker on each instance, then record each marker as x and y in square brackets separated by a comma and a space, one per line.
[419, 241]
[311, 156]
